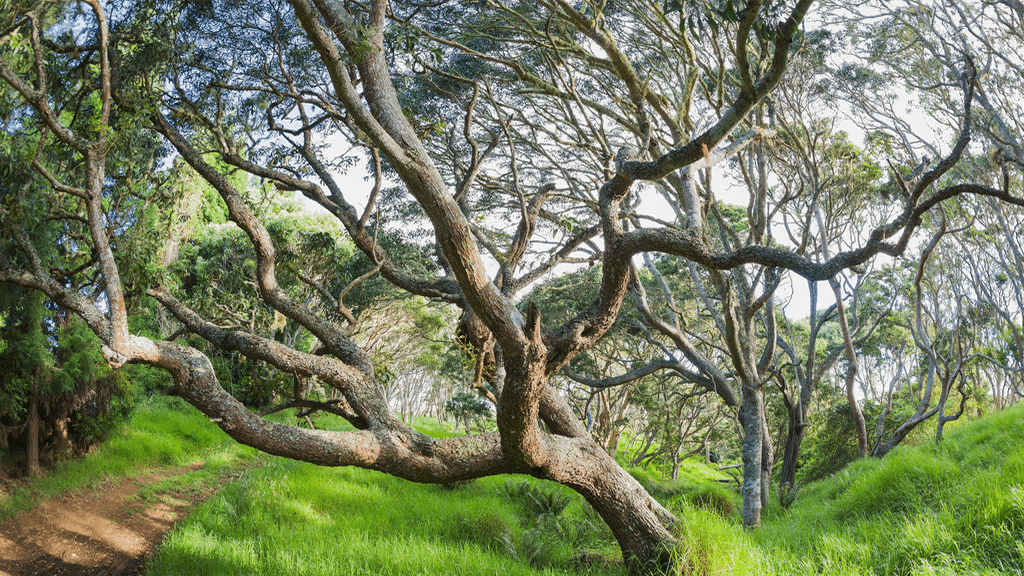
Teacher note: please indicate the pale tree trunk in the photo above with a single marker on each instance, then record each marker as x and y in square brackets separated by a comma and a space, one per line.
[925, 344]
[848, 346]
[758, 455]
[752, 413]
[851, 373]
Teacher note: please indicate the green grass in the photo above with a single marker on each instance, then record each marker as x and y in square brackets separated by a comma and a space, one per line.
[699, 486]
[954, 508]
[296, 518]
[163, 432]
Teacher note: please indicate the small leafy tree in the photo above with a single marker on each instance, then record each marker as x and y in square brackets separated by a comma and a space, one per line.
[468, 408]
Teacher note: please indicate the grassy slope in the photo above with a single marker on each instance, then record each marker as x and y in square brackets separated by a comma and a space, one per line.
[957, 508]
[162, 432]
[954, 508]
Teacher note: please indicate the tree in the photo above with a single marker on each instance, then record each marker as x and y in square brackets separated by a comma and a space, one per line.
[27, 367]
[467, 408]
[555, 107]
[996, 275]
[59, 396]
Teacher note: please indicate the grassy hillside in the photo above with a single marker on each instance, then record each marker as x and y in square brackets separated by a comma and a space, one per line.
[954, 508]
[957, 508]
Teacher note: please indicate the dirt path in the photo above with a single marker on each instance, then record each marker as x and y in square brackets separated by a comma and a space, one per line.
[109, 531]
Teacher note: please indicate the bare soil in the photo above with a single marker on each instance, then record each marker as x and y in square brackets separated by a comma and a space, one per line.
[109, 531]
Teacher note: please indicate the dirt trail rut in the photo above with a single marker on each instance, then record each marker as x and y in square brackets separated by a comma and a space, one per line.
[102, 532]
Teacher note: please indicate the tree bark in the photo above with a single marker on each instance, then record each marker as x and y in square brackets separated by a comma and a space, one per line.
[640, 524]
[752, 410]
[32, 468]
[851, 372]
[767, 457]
[794, 439]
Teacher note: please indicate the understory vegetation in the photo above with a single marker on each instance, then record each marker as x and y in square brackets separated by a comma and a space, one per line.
[955, 508]
[952, 508]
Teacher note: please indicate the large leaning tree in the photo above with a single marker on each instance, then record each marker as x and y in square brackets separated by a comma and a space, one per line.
[517, 137]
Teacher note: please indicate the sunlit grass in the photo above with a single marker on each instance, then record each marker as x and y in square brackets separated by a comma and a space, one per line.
[953, 508]
[957, 508]
[295, 518]
[163, 431]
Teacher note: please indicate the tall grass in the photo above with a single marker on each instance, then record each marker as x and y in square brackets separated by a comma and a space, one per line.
[953, 508]
[299, 519]
[295, 518]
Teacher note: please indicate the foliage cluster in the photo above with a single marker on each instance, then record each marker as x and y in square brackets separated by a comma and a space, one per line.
[79, 399]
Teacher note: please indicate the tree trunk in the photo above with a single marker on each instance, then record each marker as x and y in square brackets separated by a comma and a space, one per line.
[640, 524]
[257, 387]
[856, 412]
[32, 469]
[62, 445]
[794, 438]
[851, 372]
[753, 452]
[767, 457]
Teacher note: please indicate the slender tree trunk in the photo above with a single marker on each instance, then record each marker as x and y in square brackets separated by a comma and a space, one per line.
[753, 452]
[851, 372]
[856, 412]
[32, 469]
[794, 439]
[767, 457]
[257, 387]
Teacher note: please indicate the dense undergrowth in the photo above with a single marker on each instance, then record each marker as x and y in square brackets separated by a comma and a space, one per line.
[954, 508]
